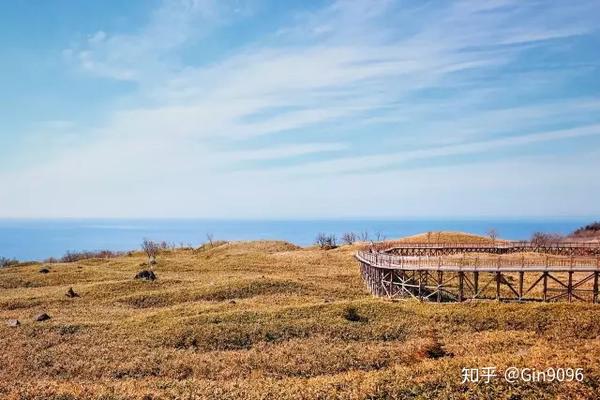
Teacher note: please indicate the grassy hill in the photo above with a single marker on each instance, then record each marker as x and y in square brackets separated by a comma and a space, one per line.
[269, 320]
[590, 232]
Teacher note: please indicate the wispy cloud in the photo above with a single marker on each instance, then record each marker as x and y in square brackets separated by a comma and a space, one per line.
[352, 87]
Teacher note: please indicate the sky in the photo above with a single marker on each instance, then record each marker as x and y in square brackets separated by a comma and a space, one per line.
[295, 109]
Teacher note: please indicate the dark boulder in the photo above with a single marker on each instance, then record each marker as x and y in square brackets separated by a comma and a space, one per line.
[44, 271]
[42, 317]
[13, 323]
[146, 275]
[71, 293]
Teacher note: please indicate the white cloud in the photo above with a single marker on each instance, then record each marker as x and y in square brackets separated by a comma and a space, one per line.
[384, 162]
[171, 150]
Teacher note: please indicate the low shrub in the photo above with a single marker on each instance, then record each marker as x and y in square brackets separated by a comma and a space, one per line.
[351, 314]
[8, 262]
[74, 256]
[349, 238]
[326, 242]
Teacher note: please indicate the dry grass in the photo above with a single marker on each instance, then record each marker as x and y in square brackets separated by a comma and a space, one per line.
[445, 237]
[268, 320]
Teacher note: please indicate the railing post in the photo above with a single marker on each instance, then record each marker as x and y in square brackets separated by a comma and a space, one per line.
[570, 287]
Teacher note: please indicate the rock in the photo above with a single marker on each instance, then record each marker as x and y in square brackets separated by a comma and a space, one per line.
[232, 302]
[42, 317]
[13, 323]
[146, 275]
[71, 293]
[44, 271]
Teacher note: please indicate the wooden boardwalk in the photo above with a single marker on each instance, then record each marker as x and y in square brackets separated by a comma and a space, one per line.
[569, 272]
[561, 248]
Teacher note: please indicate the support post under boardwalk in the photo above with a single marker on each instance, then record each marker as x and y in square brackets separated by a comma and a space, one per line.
[440, 285]
[397, 274]
[498, 276]
[595, 288]
[521, 278]
[570, 287]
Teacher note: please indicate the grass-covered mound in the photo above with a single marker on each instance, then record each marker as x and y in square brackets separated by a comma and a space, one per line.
[269, 320]
[590, 231]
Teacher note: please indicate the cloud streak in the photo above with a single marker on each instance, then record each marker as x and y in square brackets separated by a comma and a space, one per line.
[352, 89]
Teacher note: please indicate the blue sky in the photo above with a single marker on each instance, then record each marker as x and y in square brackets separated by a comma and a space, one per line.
[258, 109]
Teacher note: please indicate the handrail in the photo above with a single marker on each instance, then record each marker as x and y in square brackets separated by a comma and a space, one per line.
[498, 245]
[486, 263]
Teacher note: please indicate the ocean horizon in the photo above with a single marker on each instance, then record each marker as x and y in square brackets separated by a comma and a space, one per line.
[39, 239]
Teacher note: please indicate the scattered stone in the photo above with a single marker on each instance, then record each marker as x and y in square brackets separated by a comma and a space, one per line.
[42, 317]
[146, 275]
[13, 323]
[232, 302]
[44, 271]
[71, 293]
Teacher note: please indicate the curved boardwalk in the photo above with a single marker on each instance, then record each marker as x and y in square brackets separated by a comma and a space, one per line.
[562, 249]
[459, 272]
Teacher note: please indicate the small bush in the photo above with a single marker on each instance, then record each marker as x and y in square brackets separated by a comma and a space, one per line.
[349, 238]
[8, 262]
[545, 239]
[152, 249]
[433, 349]
[351, 314]
[73, 256]
[326, 242]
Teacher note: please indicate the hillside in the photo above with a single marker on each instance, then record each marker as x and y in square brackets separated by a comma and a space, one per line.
[590, 231]
[269, 320]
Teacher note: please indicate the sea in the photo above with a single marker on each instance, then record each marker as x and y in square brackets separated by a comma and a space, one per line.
[38, 239]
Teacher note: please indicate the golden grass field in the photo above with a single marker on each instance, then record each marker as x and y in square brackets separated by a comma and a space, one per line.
[266, 320]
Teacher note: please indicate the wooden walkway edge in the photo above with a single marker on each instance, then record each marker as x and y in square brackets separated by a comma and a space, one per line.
[442, 276]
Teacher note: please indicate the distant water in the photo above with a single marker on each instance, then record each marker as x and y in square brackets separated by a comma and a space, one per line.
[40, 239]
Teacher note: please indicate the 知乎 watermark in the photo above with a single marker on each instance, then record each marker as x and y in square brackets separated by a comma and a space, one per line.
[515, 374]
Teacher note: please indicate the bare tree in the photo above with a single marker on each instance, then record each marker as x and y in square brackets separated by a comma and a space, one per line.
[210, 238]
[545, 239]
[7, 262]
[492, 234]
[326, 242]
[151, 249]
[428, 237]
[379, 236]
[349, 237]
[364, 236]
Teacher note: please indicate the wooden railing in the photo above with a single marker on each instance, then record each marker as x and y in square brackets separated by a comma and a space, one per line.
[497, 245]
[481, 263]
[445, 249]
[472, 272]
